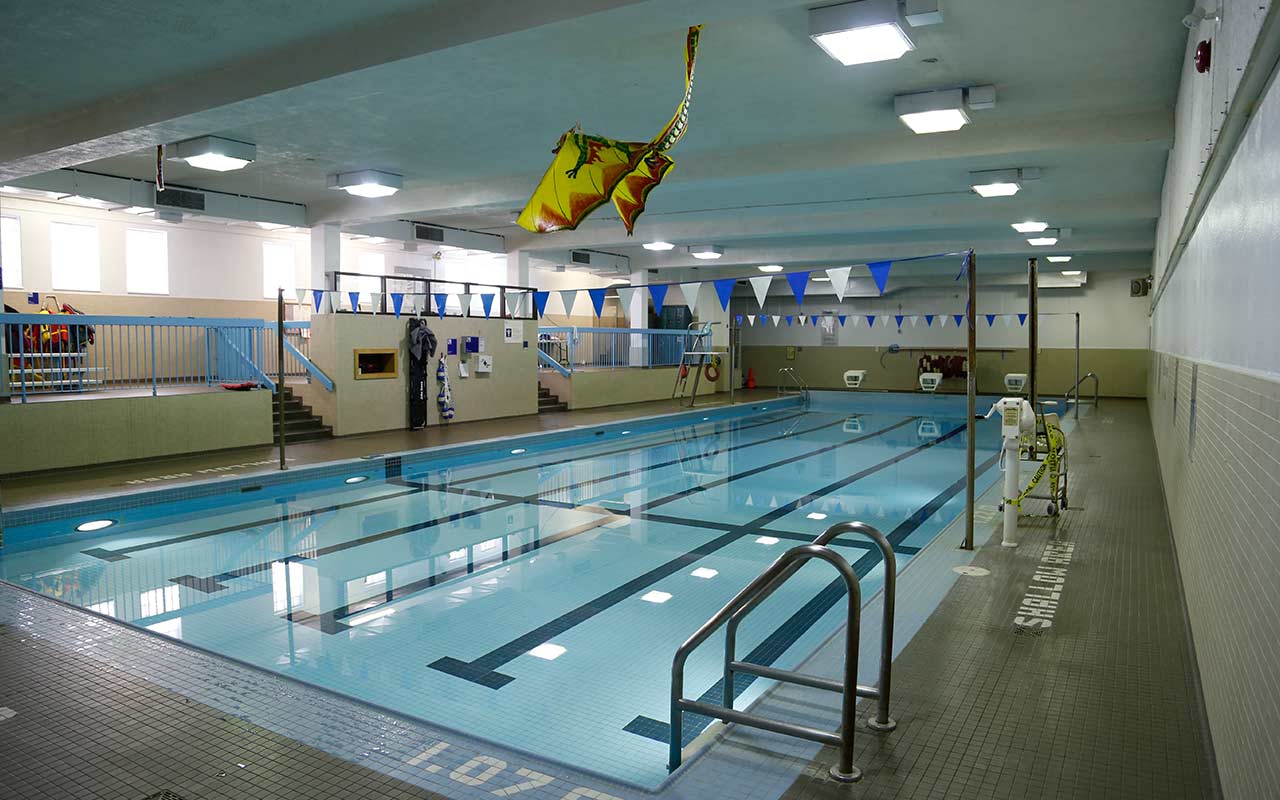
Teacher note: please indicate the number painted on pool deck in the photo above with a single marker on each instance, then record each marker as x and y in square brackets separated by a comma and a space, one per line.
[467, 775]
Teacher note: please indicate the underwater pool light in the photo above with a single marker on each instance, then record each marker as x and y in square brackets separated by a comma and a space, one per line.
[95, 525]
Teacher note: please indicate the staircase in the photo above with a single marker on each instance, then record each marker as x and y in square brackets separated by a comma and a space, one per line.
[300, 425]
[548, 401]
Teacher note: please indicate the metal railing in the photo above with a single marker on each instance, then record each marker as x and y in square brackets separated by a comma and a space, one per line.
[801, 388]
[609, 348]
[76, 354]
[1073, 394]
[505, 302]
[745, 602]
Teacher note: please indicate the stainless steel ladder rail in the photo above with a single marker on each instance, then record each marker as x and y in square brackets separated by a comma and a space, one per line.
[882, 721]
[764, 584]
[1075, 391]
[802, 388]
[693, 343]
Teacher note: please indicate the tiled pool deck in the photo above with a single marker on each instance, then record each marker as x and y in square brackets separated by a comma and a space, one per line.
[1100, 704]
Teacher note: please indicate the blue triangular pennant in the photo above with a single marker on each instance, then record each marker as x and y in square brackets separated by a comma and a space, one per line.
[1022, 319]
[871, 320]
[813, 318]
[442, 299]
[658, 292]
[724, 290]
[798, 281]
[789, 317]
[355, 301]
[842, 318]
[964, 264]
[880, 273]
[738, 320]
[486, 301]
[899, 318]
[991, 320]
[397, 302]
[928, 320]
[959, 319]
[597, 300]
[317, 296]
[539, 302]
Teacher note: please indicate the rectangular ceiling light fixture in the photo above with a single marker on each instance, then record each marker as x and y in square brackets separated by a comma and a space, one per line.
[932, 112]
[1059, 259]
[1029, 226]
[215, 153]
[1001, 182]
[1047, 238]
[860, 32]
[367, 183]
[706, 252]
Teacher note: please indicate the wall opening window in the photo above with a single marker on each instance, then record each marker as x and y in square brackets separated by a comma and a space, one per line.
[11, 252]
[367, 264]
[277, 268]
[146, 262]
[74, 257]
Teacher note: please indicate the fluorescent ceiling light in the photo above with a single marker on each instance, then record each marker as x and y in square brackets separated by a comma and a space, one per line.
[215, 153]
[95, 525]
[706, 252]
[821, 280]
[658, 245]
[1071, 273]
[1059, 259]
[367, 183]
[1029, 227]
[770, 268]
[997, 189]
[703, 572]
[655, 597]
[1042, 241]
[932, 112]
[137, 210]
[271, 226]
[1001, 182]
[859, 32]
[547, 651]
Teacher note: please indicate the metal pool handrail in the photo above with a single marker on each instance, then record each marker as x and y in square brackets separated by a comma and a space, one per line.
[742, 603]
[801, 387]
[1075, 390]
[882, 721]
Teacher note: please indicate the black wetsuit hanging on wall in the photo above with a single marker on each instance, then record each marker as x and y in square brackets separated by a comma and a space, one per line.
[422, 346]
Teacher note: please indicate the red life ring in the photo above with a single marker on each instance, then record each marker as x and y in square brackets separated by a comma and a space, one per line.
[712, 372]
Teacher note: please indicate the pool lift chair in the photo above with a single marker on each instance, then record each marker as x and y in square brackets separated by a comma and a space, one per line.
[755, 593]
[695, 357]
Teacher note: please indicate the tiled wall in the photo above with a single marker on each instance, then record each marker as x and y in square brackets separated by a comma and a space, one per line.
[1218, 436]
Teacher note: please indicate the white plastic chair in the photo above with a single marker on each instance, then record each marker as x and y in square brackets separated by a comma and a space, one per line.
[853, 378]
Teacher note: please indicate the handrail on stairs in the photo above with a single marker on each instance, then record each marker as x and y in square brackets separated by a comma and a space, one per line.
[1075, 391]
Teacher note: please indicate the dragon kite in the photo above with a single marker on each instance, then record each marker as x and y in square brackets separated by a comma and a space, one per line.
[588, 170]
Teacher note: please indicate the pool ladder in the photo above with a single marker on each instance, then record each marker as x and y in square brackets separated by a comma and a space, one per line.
[801, 388]
[752, 596]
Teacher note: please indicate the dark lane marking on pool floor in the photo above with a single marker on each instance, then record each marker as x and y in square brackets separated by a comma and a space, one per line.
[122, 553]
[790, 631]
[483, 670]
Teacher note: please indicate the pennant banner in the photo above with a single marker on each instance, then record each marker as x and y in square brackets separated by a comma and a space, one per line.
[317, 296]
[625, 294]
[899, 318]
[464, 303]
[515, 303]
[777, 320]
[738, 320]
[880, 273]
[442, 300]
[397, 302]
[871, 320]
[724, 290]
[301, 295]
[375, 301]
[539, 302]
[842, 318]
[751, 319]
[690, 292]
[597, 300]
[839, 280]
[355, 301]
[1022, 319]
[959, 319]
[928, 320]
[568, 297]
[658, 292]
[991, 320]
[760, 285]
[789, 319]
[798, 281]
[486, 302]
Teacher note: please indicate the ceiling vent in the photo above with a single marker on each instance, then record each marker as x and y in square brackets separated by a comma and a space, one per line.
[580, 257]
[180, 198]
[428, 234]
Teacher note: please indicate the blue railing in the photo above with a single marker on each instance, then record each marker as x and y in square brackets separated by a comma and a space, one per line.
[608, 348]
[50, 354]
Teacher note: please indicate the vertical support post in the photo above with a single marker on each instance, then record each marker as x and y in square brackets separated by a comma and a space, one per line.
[1033, 329]
[733, 333]
[971, 426]
[152, 328]
[280, 375]
[1077, 389]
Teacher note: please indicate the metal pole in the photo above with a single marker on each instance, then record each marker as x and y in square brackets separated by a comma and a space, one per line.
[1033, 330]
[732, 381]
[280, 373]
[1077, 389]
[971, 432]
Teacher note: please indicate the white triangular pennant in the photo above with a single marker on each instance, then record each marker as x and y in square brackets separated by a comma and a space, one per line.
[303, 296]
[335, 301]
[915, 320]
[855, 319]
[760, 285]
[1008, 319]
[515, 303]
[375, 301]
[942, 320]
[751, 319]
[568, 297]
[839, 280]
[625, 293]
[777, 320]
[690, 292]
[464, 302]
[802, 319]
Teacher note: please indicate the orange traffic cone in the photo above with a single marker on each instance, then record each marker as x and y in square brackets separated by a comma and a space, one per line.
[751, 378]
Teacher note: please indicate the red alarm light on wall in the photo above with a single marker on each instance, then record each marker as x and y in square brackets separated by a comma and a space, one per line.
[1204, 56]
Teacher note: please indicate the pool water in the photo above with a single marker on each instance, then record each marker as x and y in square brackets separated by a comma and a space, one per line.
[532, 594]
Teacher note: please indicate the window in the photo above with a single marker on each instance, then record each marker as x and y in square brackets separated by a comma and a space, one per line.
[146, 262]
[74, 257]
[368, 264]
[277, 268]
[10, 252]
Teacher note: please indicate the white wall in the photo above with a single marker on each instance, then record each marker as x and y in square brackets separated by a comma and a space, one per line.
[1109, 317]
[206, 260]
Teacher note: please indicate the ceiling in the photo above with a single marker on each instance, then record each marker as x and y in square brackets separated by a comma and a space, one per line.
[790, 158]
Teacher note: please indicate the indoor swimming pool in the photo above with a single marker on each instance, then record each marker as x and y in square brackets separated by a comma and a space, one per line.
[530, 592]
